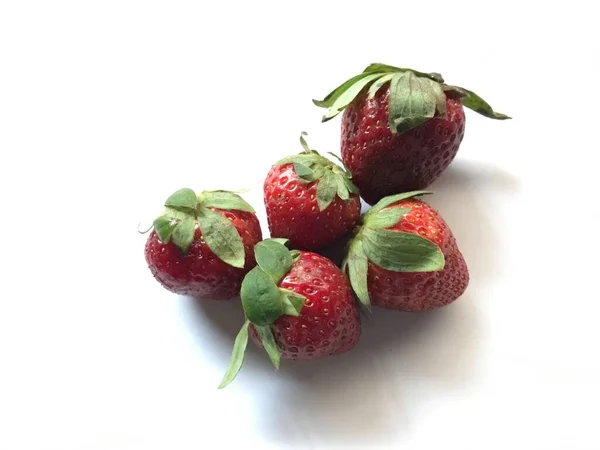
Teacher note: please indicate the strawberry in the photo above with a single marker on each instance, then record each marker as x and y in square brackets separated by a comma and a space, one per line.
[202, 245]
[401, 128]
[298, 305]
[405, 257]
[310, 200]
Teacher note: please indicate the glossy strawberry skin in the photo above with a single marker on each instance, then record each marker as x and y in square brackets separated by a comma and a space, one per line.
[200, 273]
[329, 322]
[383, 163]
[293, 212]
[426, 290]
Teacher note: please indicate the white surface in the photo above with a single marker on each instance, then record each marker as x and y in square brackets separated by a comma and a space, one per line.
[107, 107]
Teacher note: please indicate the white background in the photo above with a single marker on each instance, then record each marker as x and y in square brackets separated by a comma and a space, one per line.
[106, 107]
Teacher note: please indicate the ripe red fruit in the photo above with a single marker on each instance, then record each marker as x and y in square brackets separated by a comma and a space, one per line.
[405, 257]
[310, 200]
[298, 305]
[328, 323]
[401, 128]
[203, 246]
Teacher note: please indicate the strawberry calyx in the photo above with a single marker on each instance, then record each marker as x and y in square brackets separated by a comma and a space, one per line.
[415, 97]
[310, 166]
[397, 251]
[264, 302]
[184, 209]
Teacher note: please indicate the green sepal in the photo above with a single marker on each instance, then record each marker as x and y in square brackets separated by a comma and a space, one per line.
[178, 222]
[474, 102]
[378, 67]
[295, 255]
[379, 83]
[183, 233]
[415, 97]
[282, 241]
[268, 340]
[385, 219]
[164, 227]
[346, 97]
[237, 356]
[330, 98]
[326, 190]
[303, 142]
[223, 200]
[401, 252]
[351, 186]
[413, 100]
[342, 189]
[182, 199]
[337, 158]
[292, 302]
[221, 237]
[273, 258]
[304, 172]
[391, 199]
[302, 158]
[357, 266]
[261, 298]
[331, 179]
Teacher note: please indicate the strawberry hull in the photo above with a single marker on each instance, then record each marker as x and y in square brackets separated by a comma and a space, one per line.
[199, 272]
[383, 163]
[329, 322]
[293, 211]
[415, 292]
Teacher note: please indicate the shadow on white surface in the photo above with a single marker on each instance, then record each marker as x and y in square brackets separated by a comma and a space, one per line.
[460, 197]
[362, 397]
[370, 395]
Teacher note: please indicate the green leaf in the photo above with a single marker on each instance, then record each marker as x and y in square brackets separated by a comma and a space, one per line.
[351, 186]
[412, 102]
[164, 226]
[384, 68]
[303, 142]
[385, 219]
[477, 104]
[358, 266]
[390, 200]
[402, 252]
[183, 233]
[182, 199]
[303, 158]
[261, 298]
[292, 302]
[221, 237]
[268, 340]
[348, 95]
[378, 84]
[330, 99]
[440, 98]
[456, 91]
[326, 190]
[273, 258]
[342, 188]
[295, 255]
[337, 158]
[305, 173]
[224, 200]
[282, 241]
[237, 356]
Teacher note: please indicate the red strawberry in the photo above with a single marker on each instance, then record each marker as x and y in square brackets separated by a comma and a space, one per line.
[298, 306]
[405, 257]
[310, 200]
[203, 246]
[402, 132]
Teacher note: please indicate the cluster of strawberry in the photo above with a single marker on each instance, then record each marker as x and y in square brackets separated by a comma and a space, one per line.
[400, 129]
